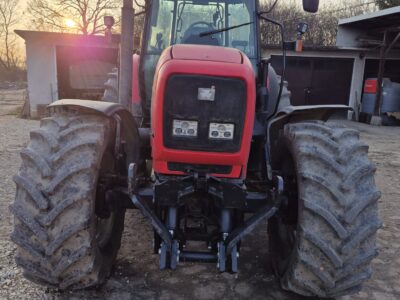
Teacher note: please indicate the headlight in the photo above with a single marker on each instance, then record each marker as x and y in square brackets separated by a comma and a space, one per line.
[221, 131]
[184, 128]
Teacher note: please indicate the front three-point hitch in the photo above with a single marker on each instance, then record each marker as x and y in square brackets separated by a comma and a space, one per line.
[189, 211]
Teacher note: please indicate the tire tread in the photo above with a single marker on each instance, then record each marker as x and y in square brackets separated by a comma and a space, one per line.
[56, 184]
[336, 239]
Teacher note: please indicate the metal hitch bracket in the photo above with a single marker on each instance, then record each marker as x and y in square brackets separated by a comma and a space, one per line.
[264, 214]
[171, 195]
[228, 247]
[158, 226]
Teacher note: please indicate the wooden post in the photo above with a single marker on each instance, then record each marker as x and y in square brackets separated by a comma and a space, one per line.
[381, 72]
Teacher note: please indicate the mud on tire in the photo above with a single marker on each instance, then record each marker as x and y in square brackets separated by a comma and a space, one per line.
[61, 241]
[322, 245]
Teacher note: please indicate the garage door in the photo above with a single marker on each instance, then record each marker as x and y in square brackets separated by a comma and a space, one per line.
[314, 81]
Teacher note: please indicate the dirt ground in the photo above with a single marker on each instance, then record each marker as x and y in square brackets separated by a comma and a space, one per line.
[136, 274]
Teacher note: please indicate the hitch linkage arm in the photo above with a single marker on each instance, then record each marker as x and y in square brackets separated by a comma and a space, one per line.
[264, 214]
[227, 247]
[158, 226]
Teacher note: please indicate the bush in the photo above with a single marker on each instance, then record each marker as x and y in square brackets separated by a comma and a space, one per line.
[15, 74]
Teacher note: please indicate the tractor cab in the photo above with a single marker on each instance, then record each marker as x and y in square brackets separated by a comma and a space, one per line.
[199, 22]
[211, 159]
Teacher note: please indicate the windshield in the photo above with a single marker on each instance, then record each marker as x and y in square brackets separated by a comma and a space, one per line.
[181, 22]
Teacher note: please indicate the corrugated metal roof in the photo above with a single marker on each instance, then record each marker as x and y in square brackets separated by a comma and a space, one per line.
[377, 20]
[58, 38]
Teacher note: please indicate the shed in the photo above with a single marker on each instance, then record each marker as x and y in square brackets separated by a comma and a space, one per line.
[336, 74]
[379, 33]
[329, 74]
[62, 65]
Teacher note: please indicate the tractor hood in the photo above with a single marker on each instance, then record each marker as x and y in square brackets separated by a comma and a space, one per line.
[206, 53]
[205, 85]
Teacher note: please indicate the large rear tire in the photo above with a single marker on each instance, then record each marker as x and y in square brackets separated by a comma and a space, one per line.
[61, 241]
[323, 241]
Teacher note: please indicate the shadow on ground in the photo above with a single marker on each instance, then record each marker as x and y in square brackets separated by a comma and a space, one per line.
[136, 275]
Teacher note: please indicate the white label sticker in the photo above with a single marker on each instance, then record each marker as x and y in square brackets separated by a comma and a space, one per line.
[206, 94]
[221, 131]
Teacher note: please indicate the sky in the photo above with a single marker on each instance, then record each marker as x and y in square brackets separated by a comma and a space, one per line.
[327, 4]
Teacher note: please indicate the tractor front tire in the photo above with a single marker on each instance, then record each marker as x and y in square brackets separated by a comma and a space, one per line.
[61, 241]
[323, 241]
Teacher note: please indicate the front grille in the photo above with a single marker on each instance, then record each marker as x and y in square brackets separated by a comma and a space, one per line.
[188, 168]
[181, 103]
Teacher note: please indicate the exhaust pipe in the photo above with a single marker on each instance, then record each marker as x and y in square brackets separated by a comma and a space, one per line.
[126, 55]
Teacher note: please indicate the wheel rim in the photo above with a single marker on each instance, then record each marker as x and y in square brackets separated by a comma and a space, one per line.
[287, 239]
[105, 218]
[285, 223]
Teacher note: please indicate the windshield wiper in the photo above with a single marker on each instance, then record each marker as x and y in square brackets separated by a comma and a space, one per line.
[207, 33]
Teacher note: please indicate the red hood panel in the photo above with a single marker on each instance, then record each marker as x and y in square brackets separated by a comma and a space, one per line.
[207, 53]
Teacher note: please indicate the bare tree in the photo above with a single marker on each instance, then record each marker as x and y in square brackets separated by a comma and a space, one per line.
[383, 4]
[322, 26]
[9, 17]
[87, 14]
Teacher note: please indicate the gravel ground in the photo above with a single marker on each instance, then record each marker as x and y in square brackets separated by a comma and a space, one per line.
[11, 100]
[136, 274]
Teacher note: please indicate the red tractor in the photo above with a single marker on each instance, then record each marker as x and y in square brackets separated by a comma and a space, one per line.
[204, 142]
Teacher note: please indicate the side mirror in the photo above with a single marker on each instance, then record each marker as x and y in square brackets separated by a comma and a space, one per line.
[311, 6]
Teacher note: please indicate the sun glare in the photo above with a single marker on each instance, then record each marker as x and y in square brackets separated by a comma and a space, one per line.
[70, 23]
